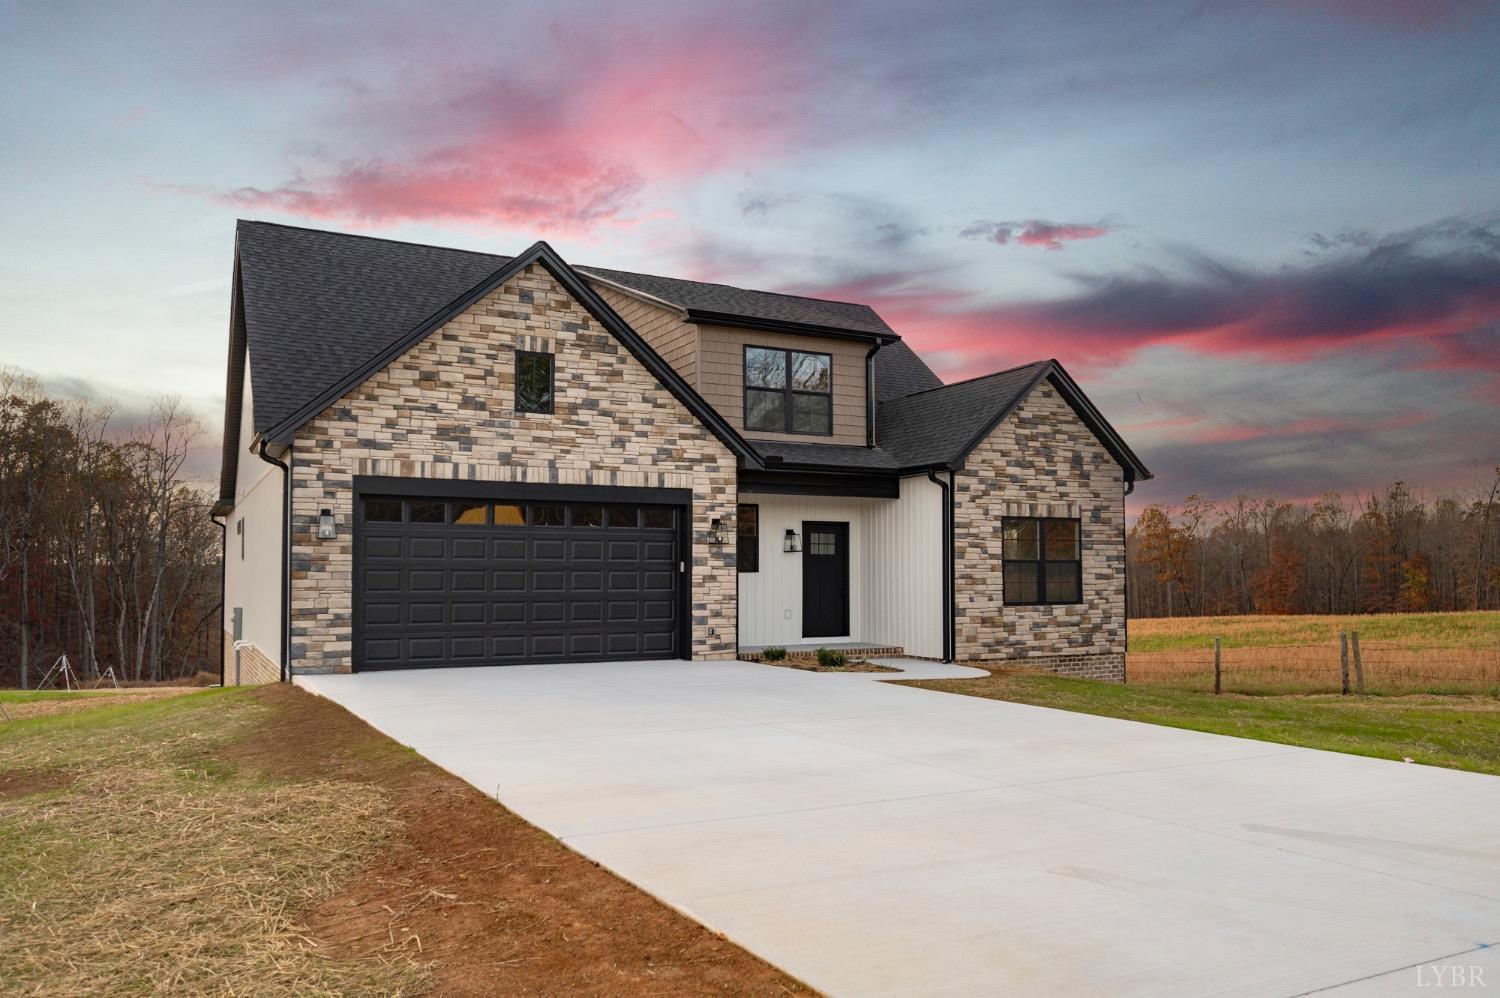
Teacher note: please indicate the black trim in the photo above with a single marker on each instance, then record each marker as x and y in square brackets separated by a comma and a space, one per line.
[814, 483]
[711, 318]
[950, 611]
[788, 392]
[551, 404]
[229, 462]
[286, 555]
[538, 253]
[1041, 561]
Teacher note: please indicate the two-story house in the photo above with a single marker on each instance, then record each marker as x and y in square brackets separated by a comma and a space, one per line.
[435, 457]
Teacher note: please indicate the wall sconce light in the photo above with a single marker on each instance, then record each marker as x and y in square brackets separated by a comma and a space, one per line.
[326, 531]
[716, 531]
[791, 544]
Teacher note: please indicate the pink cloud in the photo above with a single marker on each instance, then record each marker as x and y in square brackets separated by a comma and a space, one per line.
[1036, 232]
[564, 139]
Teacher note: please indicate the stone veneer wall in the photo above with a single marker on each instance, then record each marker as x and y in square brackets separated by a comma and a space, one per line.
[1042, 461]
[445, 409]
[255, 668]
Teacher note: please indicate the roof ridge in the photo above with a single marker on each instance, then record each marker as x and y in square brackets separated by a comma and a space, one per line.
[736, 287]
[977, 377]
[377, 239]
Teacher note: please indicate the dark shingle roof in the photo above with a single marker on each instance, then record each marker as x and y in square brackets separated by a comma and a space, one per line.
[697, 296]
[936, 426]
[900, 372]
[844, 456]
[319, 304]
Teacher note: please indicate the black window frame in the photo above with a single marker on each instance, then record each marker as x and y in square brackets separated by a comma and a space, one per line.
[741, 561]
[551, 406]
[1041, 561]
[788, 392]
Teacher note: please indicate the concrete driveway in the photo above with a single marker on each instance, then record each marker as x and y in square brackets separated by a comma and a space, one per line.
[880, 840]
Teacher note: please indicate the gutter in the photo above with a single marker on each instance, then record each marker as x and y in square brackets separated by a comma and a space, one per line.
[870, 394]
[286, 556]
[223, 526]
[949, 609]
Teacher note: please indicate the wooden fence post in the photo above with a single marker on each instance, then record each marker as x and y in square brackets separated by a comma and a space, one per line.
[1359, 663]
[1218, 669]
[1344, 662]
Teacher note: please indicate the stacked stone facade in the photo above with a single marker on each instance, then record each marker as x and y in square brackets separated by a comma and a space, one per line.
[1042, 460]
[445, 409]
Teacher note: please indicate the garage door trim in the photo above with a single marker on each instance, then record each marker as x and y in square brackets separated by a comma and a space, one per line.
[521, 491]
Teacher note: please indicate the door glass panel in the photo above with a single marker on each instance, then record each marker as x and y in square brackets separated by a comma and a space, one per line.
[588, 516]
[546, 516]
[428, 511]
[470, 513]
[382, 510]
[656, 517]
[621, 517]
[510, 516]
[822, 542]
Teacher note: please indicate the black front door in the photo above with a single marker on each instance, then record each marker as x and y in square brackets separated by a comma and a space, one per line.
[825, 579]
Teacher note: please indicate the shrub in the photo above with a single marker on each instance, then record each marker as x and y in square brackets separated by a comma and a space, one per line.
[775, 653]
[829, 658]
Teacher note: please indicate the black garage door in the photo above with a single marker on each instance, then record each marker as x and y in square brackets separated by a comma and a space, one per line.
[445, 582]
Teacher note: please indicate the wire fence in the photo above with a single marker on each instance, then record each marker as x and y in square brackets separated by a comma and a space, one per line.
[1339, 666]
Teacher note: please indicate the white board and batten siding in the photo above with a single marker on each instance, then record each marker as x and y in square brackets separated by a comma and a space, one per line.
[895, 570]
[252, 566]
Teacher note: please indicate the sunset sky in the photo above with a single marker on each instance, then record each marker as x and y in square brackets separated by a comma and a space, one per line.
[1264, 236]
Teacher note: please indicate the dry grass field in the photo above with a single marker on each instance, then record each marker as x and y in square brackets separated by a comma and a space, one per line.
[1410, 653]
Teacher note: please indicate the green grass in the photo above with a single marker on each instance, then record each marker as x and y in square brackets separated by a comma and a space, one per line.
[1445, 630]
[28, 696]
[150, 865]
[1456, 733]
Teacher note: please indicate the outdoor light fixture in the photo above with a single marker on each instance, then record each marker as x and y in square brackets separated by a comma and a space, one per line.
[326, 531]
[791, 544]
[716, 531]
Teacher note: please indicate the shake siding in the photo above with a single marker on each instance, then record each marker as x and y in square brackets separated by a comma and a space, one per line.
[675, 340]
[721, 379]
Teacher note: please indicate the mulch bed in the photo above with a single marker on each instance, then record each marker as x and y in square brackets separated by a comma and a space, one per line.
[491, 904]
[811, 665]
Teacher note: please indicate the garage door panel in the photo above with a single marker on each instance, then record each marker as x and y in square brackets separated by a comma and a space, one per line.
[553, 584]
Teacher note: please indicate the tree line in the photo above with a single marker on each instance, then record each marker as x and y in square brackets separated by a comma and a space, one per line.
[107, 553]
[1388, 552]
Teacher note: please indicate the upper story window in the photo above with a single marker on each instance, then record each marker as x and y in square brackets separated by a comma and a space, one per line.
[788, 391]
[1043, 561]
[534, 381]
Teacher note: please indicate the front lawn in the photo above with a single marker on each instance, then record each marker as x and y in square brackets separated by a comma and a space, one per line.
[1457, 732]
[267, 842]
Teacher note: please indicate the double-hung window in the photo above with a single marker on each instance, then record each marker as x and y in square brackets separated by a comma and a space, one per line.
[1043, 561]
[788, 391]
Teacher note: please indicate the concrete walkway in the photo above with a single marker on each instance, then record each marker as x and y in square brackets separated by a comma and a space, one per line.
[879, 840]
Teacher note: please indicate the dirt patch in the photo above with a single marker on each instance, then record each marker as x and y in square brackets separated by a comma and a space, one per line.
[811, 665]
[490, 904]
[43, 708]
[25, 782]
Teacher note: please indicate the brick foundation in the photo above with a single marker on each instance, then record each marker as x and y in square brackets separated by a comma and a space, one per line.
[255, 667]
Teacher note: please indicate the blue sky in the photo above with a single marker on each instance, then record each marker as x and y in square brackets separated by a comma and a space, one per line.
[1264, 236]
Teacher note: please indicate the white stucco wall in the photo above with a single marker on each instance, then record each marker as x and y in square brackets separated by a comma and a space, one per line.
[252, 567]
[895, 570]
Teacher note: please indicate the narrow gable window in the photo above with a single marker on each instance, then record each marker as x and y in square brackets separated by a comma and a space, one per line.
[747, 530]
[534, 381]
[788, 391]
[1043, 561]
